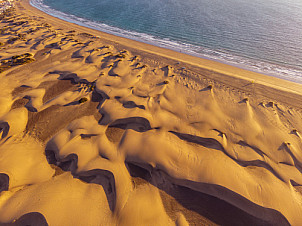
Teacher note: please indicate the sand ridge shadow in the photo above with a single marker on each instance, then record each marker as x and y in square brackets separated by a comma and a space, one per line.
[29, 219]
[216, 145]
[104, 178]
[204, 202]
[4, 129]
[4, 182]
[69, 163]
[131, 104]
[138, 124]
[206, 142]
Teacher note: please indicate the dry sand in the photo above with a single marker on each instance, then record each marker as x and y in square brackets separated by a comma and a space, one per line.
[102, 130]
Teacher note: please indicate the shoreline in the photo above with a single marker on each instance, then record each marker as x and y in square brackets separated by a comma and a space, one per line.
[246, 63]
[190, 60]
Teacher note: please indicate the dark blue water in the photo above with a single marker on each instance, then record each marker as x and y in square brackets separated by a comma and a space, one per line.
[261, 35]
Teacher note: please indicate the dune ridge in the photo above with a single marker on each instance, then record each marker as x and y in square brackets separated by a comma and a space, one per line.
[99, 130]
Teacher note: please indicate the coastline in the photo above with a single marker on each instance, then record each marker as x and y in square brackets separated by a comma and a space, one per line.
[96, 129]
[187, 60]
[247, 63]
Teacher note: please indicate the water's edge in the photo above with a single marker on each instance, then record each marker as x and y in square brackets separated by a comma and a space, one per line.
[226, 58]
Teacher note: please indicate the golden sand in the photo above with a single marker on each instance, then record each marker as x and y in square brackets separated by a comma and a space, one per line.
[102, 130]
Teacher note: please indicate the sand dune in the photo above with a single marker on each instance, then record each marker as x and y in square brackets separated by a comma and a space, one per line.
[95, 131]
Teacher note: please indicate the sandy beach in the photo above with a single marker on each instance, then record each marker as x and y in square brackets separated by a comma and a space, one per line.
[97, 129]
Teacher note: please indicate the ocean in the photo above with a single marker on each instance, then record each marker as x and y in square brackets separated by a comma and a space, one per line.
[262, 36]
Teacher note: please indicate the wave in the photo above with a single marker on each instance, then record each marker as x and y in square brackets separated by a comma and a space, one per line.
[286, 73]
